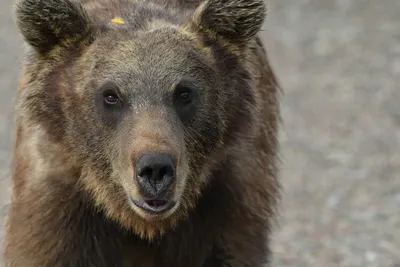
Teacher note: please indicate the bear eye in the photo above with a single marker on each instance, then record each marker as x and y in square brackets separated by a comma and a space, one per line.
[186, 99]
[110, 98]
[183, 94]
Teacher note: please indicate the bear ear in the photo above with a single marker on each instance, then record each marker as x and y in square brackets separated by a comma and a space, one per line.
[46, 23]
[234, 20]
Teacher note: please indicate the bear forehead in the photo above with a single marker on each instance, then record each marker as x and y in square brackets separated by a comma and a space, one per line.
[163, 47]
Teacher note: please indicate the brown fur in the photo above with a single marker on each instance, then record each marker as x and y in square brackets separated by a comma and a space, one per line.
[73, 159]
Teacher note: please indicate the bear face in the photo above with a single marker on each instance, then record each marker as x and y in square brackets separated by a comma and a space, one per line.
[143, 106]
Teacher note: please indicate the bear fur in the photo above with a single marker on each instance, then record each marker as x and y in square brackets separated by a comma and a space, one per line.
[72, 160]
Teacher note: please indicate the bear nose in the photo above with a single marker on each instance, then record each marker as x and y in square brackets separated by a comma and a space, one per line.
[155, 173]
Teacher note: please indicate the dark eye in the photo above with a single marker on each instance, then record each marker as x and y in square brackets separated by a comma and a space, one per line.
[110, 98]
[185, 96]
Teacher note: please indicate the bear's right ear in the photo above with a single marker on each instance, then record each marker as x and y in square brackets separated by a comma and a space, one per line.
[46, 23]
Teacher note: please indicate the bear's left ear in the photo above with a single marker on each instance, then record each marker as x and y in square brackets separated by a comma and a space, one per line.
[236, 21]
[47, 23]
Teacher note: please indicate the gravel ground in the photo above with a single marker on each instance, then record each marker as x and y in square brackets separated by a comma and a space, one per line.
[339, 64]
[10, 48]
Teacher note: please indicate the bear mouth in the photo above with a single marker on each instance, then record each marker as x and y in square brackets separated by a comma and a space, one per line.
[155, 206]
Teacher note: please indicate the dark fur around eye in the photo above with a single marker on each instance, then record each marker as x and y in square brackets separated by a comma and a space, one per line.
[109, 103]
[186, 100]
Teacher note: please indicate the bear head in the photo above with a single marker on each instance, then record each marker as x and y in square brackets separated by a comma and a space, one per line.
[143, 104]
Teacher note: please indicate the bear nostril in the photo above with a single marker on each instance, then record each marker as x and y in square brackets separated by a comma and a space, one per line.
[165, 172]
[145, 172]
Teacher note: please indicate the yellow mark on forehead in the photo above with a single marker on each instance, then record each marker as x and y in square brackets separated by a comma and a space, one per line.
[118, 20]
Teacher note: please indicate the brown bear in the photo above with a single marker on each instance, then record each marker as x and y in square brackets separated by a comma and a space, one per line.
[146, 135]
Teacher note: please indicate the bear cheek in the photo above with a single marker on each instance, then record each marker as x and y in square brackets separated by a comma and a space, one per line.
[129, 185]
[183, 173]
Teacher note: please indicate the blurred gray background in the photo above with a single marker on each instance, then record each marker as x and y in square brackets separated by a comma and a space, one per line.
[338, 62]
